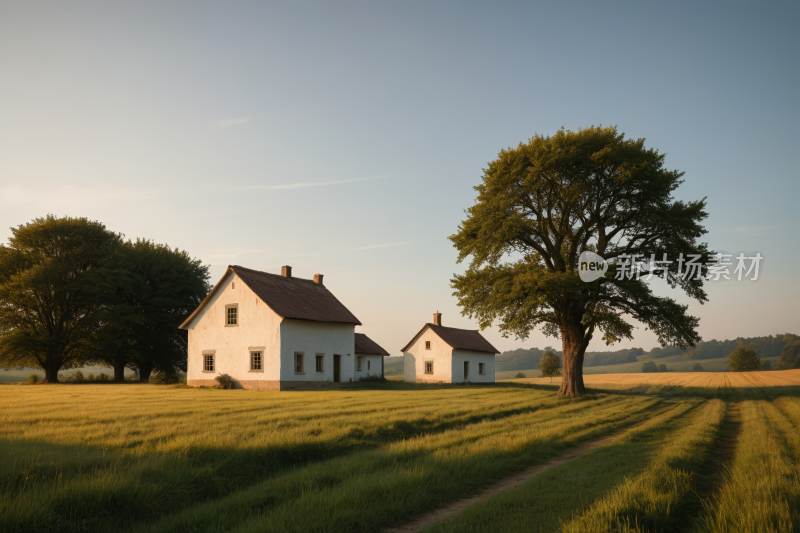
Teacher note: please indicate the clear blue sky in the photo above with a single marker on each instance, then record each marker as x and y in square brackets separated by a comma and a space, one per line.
[345, 138]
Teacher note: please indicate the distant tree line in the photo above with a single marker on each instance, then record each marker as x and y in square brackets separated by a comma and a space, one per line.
[73, 293]
[787, 346]
[769, 346]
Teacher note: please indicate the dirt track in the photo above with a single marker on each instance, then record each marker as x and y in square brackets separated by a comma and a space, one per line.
[778, 378]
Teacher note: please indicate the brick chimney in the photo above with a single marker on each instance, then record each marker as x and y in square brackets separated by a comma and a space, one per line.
[286, 271]
[318, 279]
[437, 318]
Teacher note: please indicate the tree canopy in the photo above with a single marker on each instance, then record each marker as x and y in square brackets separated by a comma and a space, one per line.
[743, 359]
[541, 205]
[54, 285]
[162, 287]
[550, 365]
[73, 293]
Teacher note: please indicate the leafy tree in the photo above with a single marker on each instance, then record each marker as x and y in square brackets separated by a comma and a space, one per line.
[54, 286]
[520, 375]
[766, 365]
[540, 206]
[648, 367]
[662, 368]
[698, 367]
[550, 365]
[790, 355]
[165, 285]
[743, 359]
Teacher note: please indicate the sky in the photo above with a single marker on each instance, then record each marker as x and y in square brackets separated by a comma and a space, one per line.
[345, 138]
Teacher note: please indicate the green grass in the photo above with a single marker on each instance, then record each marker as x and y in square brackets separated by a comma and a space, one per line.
[163, 458]
[762, 489]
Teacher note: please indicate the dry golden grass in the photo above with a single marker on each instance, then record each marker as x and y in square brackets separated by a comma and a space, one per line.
[711, 380]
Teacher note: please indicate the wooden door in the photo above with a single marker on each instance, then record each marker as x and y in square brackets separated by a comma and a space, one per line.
[337, 368]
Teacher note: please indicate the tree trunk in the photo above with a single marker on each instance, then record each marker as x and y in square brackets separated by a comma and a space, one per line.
[119, 371]
[145, 369]
[574, 341]
[51, 372]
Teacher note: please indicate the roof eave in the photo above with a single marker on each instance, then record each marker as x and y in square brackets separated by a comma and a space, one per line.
[206, 299]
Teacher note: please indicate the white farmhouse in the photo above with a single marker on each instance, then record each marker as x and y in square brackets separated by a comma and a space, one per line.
[369, 357]
[448, 355]
[271, 332]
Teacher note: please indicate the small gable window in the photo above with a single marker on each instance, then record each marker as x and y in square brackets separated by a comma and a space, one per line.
[427, 345]
[232, 315]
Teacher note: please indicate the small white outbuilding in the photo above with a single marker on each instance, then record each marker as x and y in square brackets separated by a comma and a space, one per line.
[276, 332]
[438, 354]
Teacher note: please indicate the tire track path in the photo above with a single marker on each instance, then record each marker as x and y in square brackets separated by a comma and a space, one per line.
[446, 511]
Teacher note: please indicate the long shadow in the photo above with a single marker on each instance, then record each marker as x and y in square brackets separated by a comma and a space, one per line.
[151, 485]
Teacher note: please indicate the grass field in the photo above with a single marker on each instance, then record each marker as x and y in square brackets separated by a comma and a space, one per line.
[157, 458]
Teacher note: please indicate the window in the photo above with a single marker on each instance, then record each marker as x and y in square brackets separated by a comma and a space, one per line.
[427, 345]
[255, 361]
[368, 362]
[429, 367]
[320, 367]
[358, 362]
[298, 363]
[232, 315]
[482, 369]
[208, 363]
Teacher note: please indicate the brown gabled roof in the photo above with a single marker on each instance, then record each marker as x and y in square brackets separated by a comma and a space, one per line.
[365, 345]
[459, 339]
[295, 298]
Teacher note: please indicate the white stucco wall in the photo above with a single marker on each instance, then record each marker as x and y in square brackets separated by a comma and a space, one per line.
[370, 364]
[415, 356]
[448, 364]
[313, 338]
[258, 326]
[459, 356]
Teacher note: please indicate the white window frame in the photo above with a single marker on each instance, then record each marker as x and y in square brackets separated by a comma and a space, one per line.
[212, 358]
[427, 345]
[426, 363]
[300, 356]
[319, 362]
[228, 308]
[359, 359]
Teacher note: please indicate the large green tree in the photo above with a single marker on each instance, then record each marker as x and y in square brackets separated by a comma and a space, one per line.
[56, 280]
[541, 205]
[743, 359]
[167, 284]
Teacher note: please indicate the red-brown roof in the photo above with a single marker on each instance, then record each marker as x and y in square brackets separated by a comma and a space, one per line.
[459, 339]
[295, 298]
[365, 345]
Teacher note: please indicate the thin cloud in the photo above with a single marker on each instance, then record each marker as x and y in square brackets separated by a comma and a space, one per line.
[370, 247]
[232, 122]
[70, 197]
[376, 246]
[235, 252]
[309, 184]
[753, 231]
